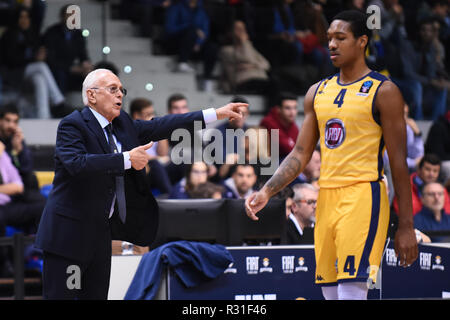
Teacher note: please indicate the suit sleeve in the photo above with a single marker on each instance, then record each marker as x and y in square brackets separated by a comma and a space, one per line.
[161, 128]
[72, 153]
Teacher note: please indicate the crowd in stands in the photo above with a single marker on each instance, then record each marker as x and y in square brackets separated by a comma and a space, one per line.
[263, 46]
[273, 48]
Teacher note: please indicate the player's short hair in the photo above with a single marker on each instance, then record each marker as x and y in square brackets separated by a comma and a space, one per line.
[237, 99]
[430, 158]
[173, 98]
[235, 166]
[357, 21]
[138, 104]
[285, 96]
[9, 108]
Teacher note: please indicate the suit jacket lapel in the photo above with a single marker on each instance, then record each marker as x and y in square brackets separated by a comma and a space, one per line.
[95, 127]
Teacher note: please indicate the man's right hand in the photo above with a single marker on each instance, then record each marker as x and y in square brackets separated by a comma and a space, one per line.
[139, 157]
[255, 203]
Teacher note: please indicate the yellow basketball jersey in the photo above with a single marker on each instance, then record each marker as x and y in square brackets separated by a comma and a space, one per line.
[351, 140]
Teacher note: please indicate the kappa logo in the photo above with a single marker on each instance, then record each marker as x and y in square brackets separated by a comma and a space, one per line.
[319, 277]
[230, 269]
[323, 88]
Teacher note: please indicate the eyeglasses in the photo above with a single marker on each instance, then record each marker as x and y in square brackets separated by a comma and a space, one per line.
[309, 202]
[113, 90]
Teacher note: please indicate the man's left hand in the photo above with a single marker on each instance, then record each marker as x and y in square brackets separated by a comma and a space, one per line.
[17, 140]
[232, 111]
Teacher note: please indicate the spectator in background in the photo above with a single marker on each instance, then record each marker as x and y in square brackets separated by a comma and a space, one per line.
[392, 17]
[196, 174]
[12, 137]
[13, 211]
[355, 5]
[285, 48]
[283, 117]
[438, 142]
[244, 69]
[414, 142]
[233, 125]
[187, 34]
[207, 190]
[67, 53]
[142, 109]
[240, 185]
[24, 60]
[36, 7]
[177, 103]
[420, 76]
[302, 217]
[427, 172]
[257, 152]
[433, 216]
[256, 147]
[144, 12]
[311, 30]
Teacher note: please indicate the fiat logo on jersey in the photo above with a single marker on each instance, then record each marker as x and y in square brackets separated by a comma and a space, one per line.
[334, 133]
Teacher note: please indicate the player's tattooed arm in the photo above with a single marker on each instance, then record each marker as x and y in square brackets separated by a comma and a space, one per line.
[289, 169]
[299, 157]
[293, 164]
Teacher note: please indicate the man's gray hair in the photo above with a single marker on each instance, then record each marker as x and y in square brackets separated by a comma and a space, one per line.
[90, 80]
[298, 190]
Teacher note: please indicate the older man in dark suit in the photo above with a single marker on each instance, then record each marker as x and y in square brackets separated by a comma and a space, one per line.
[99, 191]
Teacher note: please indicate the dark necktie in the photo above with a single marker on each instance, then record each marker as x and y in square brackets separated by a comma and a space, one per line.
[120, 185]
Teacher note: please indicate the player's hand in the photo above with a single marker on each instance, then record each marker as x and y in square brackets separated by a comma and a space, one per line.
[405, 245]
[17, 140]
[255, 203]
[232, 111]
[138, 157]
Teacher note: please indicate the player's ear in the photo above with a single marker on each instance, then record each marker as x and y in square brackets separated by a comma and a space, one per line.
[363, 40]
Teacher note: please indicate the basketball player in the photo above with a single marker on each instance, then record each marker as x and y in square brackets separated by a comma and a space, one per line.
[357, 114]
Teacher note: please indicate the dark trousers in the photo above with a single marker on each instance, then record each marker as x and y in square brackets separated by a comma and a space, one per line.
[60, 274]
[21, 214]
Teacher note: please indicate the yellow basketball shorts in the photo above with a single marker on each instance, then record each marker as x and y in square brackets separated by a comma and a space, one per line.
[350, 232]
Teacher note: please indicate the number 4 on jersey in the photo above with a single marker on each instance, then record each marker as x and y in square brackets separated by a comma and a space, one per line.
[349, 265]
[340, 98]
